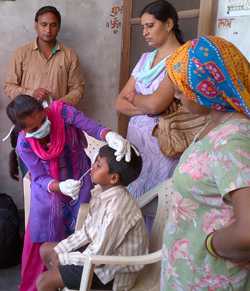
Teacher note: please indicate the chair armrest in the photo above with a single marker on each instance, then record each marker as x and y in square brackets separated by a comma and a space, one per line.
[117, 260]
[121, 260]
[127, 260]
[81, 216]
[147, 197]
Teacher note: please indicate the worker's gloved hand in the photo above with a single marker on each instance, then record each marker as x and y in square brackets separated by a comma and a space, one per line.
[70, 188]
[120, 145]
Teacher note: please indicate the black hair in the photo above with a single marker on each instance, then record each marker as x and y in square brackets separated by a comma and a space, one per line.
[46, 9]
[13, 162]
[21, 107]
[13, 137]
[127, 171]
[162, 10]
[13, 165]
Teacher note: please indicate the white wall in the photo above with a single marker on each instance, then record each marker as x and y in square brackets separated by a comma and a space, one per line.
[84, 27]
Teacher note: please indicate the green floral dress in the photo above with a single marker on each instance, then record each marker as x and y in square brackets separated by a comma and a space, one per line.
[208, 170]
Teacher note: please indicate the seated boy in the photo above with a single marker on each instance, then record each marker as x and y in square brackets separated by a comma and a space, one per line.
[114, 226]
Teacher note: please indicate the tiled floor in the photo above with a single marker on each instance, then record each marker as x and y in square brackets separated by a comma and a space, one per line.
[9, 279]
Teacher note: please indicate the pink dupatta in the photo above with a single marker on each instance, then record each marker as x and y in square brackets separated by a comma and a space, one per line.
[52, 154]
[57, 139]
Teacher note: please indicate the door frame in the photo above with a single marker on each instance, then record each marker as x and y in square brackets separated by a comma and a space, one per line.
[205, 27]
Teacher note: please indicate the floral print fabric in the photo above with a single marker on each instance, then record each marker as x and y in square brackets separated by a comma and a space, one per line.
[208, 170]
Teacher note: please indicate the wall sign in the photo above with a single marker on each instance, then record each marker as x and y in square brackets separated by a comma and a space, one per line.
[238, 7]
[114, 22]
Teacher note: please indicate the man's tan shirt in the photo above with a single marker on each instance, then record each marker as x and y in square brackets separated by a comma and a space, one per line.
[60, 74]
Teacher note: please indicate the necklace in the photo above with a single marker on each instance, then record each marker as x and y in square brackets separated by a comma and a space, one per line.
[223, 120]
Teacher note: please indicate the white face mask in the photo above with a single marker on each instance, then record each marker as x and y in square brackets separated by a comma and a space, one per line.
[42, 131]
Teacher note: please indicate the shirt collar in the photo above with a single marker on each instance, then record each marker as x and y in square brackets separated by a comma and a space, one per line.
[56, 48]
[98, 192]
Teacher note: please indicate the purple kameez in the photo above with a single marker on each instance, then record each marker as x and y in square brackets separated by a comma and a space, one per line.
[73, 162]
[50, 219]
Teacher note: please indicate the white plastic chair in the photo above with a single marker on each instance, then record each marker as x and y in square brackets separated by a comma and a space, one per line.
[149, 277]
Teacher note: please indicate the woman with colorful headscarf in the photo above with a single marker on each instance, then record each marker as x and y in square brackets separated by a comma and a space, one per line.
[206, 242]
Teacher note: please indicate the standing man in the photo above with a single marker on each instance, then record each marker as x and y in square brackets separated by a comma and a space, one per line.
[45, 68]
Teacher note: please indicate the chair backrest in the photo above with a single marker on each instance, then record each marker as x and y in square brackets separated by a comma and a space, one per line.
[149, 277]
[164, 194]
[27, 194]
[93, 147]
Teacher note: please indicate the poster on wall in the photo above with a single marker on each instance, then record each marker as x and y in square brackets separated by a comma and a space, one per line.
[233, 17]
[233, 29]
[238, 7]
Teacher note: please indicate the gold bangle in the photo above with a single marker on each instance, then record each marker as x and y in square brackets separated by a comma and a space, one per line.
[209, 245]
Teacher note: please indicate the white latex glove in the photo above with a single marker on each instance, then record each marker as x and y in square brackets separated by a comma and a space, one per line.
[70, 188]
[120, 145]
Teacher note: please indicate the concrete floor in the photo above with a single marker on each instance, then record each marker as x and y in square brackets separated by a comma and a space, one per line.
[9, 279]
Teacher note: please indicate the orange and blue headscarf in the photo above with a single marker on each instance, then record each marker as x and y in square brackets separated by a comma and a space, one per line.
[212, 72]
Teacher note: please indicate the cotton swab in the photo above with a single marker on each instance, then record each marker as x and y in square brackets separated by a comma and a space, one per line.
[83, 175]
